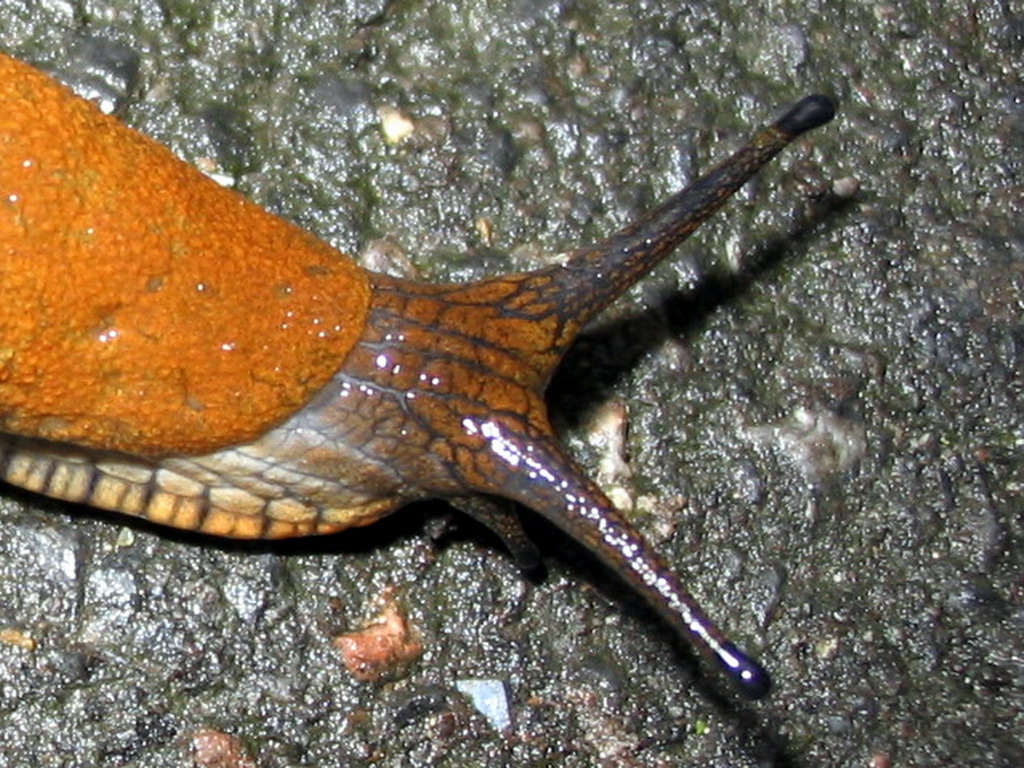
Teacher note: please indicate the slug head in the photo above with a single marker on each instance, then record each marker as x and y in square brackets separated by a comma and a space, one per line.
[446, 386]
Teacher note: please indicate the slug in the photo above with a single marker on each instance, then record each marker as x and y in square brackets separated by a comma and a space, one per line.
[169, 350]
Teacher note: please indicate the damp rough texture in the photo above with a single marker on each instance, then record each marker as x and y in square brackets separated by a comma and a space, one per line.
[823, 401]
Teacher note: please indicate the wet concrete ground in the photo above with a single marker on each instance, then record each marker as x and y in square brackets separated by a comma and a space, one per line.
[821, 391]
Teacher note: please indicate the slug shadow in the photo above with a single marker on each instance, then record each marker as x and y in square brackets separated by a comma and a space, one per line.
[602, 355]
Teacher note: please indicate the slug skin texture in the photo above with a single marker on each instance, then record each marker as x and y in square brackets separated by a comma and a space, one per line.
[146, 309]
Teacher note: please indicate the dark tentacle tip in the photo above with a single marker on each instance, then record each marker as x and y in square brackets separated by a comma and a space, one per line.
[750, 677]
[528, 560]
[808, 113]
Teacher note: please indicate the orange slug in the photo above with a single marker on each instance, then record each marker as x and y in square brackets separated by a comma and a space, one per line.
[171, 351]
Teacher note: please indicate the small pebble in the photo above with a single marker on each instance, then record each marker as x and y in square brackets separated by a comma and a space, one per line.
[489, 698]
[384, 646]
[396, 124]
[215, 749]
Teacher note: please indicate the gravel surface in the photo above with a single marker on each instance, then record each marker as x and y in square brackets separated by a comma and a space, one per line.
[814, 408]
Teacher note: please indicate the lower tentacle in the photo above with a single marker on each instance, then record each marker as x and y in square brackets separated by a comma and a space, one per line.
[529, 467]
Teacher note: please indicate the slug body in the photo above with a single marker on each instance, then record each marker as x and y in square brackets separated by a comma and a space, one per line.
[171, 351]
